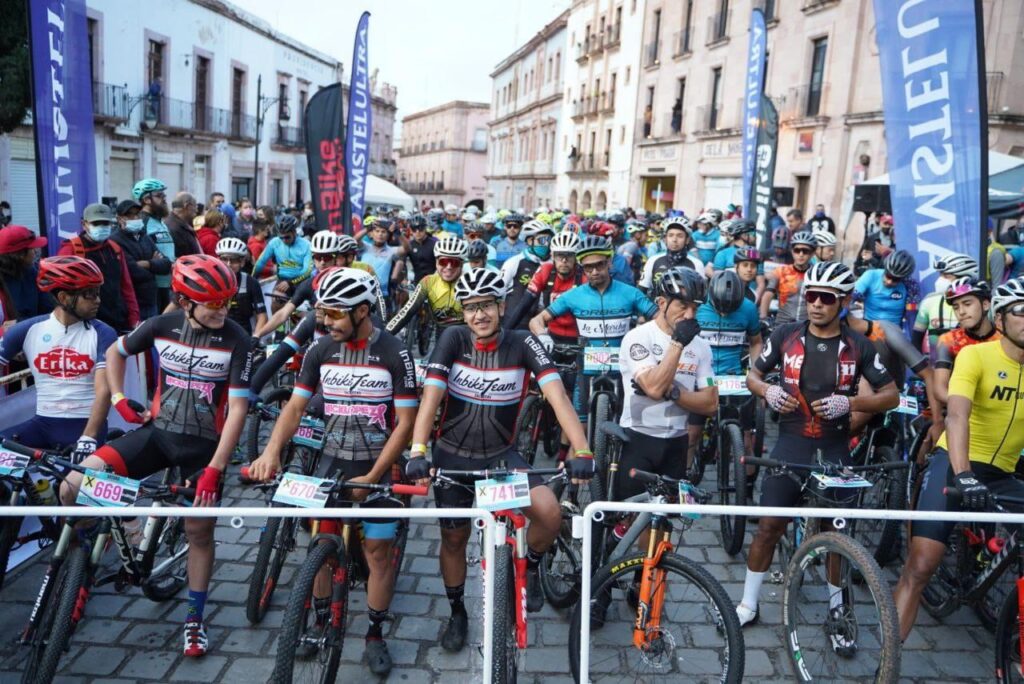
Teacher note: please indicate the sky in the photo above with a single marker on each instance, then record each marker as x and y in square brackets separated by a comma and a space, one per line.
[434, 52]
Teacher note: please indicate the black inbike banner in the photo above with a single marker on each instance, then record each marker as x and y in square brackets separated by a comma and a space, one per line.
[325, 152]
[764, 169]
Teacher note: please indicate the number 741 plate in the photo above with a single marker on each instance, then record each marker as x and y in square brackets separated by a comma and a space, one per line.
[507, 493]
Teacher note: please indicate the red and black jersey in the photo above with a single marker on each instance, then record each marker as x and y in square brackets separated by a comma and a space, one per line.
[813, 368]
[547, 285]
[950, 343]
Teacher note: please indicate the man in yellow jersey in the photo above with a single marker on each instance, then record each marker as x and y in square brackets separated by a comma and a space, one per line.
[978, 452]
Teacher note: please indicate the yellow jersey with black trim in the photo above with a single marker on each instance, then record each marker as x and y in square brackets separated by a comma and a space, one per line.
[438, 295]
[994, 383]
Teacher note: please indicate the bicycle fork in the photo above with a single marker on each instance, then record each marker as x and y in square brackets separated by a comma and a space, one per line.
[652, 592]
[520, 583]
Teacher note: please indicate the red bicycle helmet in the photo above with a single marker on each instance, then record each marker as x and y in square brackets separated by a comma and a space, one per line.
[320, 276]
[68, 273]
[602, 228]
[203, 278]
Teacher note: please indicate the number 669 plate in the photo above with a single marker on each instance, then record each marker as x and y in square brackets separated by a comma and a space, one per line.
[105, 490]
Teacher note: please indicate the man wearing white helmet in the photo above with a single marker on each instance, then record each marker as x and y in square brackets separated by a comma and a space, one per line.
[437, 290]
[248, 302]
[826, 250]
[368, 425]
[519, 269]
[451, 221]
[934, 316]
[706, 235]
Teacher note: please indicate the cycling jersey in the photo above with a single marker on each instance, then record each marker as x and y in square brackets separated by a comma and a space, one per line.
[994, 383]
[603, 318]
[1017, 265]
[655, 266]
[439, 297]
[505, 249]
[294, 261]
[199, 369]
[935, 316]
[247, 302]
[706, 244]
[786, 281]
[307, 329]
[813, 368]
[421, 254]
[548, 286]
[485, 387]
[362, 385]
[953, 342]
[881, 302]
[727, 335]
[517, 272]
[895, 350]
[304, 293]
[621, 270]
[643, 348]
[63, 361]
[725, 259]
[381, 260]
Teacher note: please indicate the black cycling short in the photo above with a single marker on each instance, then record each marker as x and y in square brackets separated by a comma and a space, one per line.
[665, 456]
[341, 469]
[458, 496]
[785, 489]
[148, 450]
[938, 475]
[746, 406]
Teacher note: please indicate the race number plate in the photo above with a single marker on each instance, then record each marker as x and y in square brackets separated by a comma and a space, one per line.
[271, 348]
[907, 405]
[105, 490]
[732, 385]
[840, 481]
[600, 359]
[13, 465]
[309, 434]
[301, 490]
[505, 494]
[686, 497]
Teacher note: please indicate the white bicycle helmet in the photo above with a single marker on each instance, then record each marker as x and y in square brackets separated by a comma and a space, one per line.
[709, 217]
[231, 246]
[480, 282]
[533, 227]
[346, 288]
[959, 265]
[1010, 292]
[403, 215]
[566, 241]
[824, 238]
[324, 242]
[830, 274]
[451, 246]
[347, 244]
[680, 221]
[803, 237]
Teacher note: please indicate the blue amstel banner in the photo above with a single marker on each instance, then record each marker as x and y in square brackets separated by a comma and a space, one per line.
[62, 115]
[360, 122]
[935, 126]
[752, 102]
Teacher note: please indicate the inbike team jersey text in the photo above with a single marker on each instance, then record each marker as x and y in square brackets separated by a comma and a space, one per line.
[63, 361]
[485, 386]
[362, 384]
[199, 370]
[603, 318]
[727, 335]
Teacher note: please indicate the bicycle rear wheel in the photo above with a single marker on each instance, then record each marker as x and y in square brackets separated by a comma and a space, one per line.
[561, 567]
[276, 541]
[60, 617]
[849, 635]
[505, 659]
[696, 611]
[732, 488]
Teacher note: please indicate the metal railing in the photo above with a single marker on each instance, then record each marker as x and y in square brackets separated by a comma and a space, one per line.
[613, 36]
[804, 101]
[596, 43]
[651, 53]
[817, 4]
[681, 43]
[608, 102]
[190, 116]
[290, 136]
[718, 27]
[711, 118]
[583, 50]
[110, 101]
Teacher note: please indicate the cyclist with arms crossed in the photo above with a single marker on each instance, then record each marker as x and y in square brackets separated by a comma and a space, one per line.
[478, 430]
[368, 385]
[198, 411]
[979, 450]
[821, 362]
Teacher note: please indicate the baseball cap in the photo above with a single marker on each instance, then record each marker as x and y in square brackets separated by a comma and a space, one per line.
[127, 205]
[98, 212]
[16, 238]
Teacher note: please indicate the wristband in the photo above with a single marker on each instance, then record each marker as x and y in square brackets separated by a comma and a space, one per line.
[420, 449]
[116, 397]
[588, 453]
[677, 345]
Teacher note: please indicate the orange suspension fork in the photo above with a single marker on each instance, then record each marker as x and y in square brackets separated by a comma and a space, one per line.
[652, 590]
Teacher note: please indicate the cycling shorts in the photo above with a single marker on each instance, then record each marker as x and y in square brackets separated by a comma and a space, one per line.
[148, 450]
[340, 469]
[938, 475]
[746, 412]
[653, 454]
[447, 495]
[785, 489]
[45, 432]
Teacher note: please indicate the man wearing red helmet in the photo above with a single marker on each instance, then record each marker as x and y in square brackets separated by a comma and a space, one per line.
[198, 411]
[64, 350]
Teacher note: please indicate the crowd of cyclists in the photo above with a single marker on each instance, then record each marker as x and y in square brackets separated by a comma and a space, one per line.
[489, 306]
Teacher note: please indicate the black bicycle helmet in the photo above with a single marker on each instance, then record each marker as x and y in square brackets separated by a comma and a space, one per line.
[726, 292]
[287, 224]
[682, 283]
[418, 223]
[477, 250]
[900, 264]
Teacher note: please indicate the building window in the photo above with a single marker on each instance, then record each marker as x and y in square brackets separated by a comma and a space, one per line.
[649, 113]
[558, 63]
[769, 10]
[202, 90]
[677, 106]
[817, 83]
[237, 100]
[716, 97]
[684, 43]
[93, 29]
[282, 102]
[155, 66]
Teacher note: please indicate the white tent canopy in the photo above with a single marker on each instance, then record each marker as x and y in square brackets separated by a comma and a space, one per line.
[997, 163]
[379, 191]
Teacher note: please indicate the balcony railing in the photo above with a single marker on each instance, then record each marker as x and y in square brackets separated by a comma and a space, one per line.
[588, 163]
[994, 79]
[613, 36]
[651, 53]
[713, 118]
[596, 43]
[189, 116]
[110, 101]
[607, 102]
[290, 136]
[814, 5]
[804, 101]
[681, 43]
[593, 104]
[718, 27]
[583, 50]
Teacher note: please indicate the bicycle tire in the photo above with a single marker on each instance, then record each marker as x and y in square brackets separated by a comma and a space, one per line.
[65, 615]
[411, 335]
[795, 602]
[504, 659]
[560, 569]
[942, 595]
[731, 468]
[717, 607]
[599, 443]
[168, 534]
[298, 612]
[529, 414]
[9, 528]
[253, 442]
[261, 584]
[1008, 655]
[759, 413]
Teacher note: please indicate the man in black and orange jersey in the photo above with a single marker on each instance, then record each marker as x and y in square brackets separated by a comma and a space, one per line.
[785, 282]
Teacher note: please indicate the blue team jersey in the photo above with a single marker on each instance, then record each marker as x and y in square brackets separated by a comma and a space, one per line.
[881, 303]
[621, 270]
[724, 260]
[603, 318]
[1017, 269]
[505, 248]
[728, 335]
[706, 244]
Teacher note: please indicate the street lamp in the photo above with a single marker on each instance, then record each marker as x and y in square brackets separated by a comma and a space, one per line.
[263, 105]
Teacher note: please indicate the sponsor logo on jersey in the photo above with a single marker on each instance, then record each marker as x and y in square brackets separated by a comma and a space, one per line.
[183, 359]
[355, 381]
[1002, 375]
[638, 352]
[376, 413]
[602, 328]
[64, 363]
[486, 385]
[205, 389]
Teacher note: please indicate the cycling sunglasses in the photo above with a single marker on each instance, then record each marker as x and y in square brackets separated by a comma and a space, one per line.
[826, 298]
[803, 250]
[542, 240]
[449, 262]
[1016, 309]
[92, 293]
[216, 304]
[333, 314]
[323, 257]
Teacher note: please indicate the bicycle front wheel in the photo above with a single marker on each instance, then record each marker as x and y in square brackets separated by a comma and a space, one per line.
[732, 488]
[309, 648]
[845, 632]
[166, 559]
[1008, 641]
[698, 638]
[504, 658]
[60, 617]
[276, 541]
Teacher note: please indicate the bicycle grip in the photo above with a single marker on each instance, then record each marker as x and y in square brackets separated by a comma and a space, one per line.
[11, 445]
[643, 475]
[751, 460]
[243, 475]
[408, 490]
[188, 493]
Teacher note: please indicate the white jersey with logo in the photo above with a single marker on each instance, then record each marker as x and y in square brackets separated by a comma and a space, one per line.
[642, 349]
[63, 361]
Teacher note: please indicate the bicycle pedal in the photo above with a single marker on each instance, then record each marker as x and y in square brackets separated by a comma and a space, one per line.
[777, 577]
[473, 560]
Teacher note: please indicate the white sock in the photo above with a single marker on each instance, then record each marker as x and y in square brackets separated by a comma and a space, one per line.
[752, 588]
[835, 596]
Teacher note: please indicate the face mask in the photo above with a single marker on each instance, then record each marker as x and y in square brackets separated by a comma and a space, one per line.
[98, 233]
[541, 252]
[819, 214]
[133, 226]
[247, 213]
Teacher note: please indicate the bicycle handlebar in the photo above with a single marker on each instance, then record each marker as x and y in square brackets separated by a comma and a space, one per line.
[810, 467]
[398, 488]
[954, 495]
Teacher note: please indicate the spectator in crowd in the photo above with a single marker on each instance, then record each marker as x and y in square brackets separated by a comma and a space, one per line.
[216, 199]
[882, 241]
[209, 235]
[118, 307]
[866, 259]
[780, 245]
[244, 219]
[648, 120]
[179, 222]
[258, 243]
[820, 221]
[5, 214]
[150, 193]
[230, 215]
[309, 219]
[145, 261]
[1016, 254]
[20, 298]
[795, 221]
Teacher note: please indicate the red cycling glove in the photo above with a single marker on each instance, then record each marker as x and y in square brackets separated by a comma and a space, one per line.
[131, 411]
[208, 483]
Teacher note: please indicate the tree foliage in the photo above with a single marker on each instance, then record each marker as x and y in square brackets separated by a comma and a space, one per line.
[14, 65]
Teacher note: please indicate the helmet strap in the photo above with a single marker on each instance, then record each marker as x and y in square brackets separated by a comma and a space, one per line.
[1015, 343]
[70, 309]
[190, 312]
